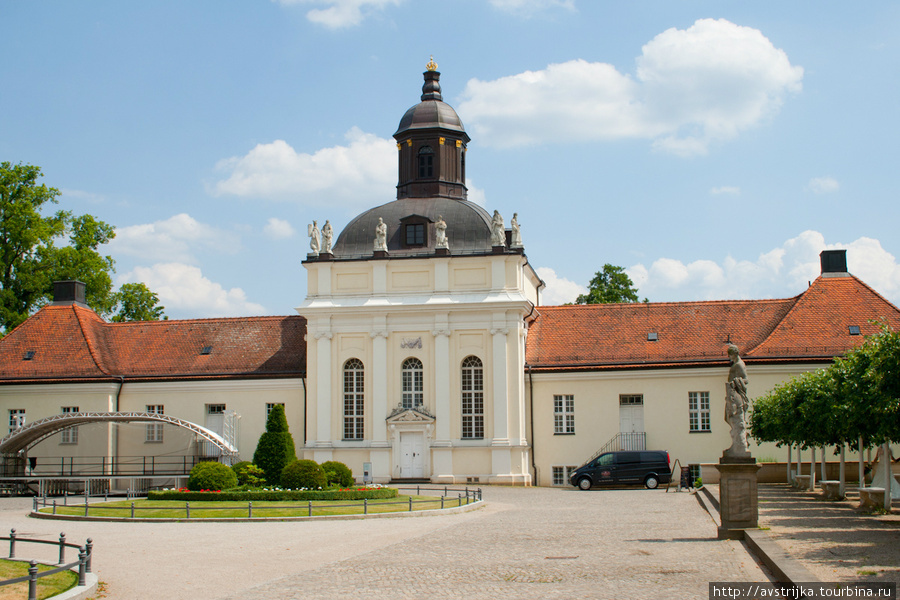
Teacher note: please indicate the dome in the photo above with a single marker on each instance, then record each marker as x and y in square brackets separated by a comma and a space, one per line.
[432, 112]
[468, 228]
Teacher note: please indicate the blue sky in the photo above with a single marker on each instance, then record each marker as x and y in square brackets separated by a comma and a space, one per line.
[711, 148]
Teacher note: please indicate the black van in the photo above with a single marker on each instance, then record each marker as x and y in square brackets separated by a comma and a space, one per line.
[650, 467]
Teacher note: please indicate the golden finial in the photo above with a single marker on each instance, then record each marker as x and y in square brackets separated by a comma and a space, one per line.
[431, 66]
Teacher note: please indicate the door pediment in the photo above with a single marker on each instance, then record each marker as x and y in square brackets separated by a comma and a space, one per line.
[410, 416]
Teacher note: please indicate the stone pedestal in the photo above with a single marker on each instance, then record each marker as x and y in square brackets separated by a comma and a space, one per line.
[738, 499]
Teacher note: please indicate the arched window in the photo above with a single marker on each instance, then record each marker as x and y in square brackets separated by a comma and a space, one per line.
[412, 383]
[472, 398]
[426, 162]
[354, 399]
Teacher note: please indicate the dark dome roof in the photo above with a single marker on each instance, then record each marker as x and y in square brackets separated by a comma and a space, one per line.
[432, 112]
[468, 228]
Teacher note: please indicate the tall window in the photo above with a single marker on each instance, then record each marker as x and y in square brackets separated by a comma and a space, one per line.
[70, 434]
[155, 430]
[563, 414]
[16, 418]
[472, 398]
[354, 399]
[412, 383]
[698, 411]
[426, 162]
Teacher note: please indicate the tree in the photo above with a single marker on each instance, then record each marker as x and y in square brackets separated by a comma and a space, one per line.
[609, 286]
[36, 250]
[275, 448]
[135, 302]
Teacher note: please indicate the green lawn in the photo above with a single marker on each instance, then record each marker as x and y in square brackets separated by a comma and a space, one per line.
[46, 586]
[175, 509]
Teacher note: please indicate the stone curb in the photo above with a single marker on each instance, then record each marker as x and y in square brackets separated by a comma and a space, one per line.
[784, 567]
[394, 515]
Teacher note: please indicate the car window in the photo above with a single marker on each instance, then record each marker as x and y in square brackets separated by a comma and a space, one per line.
[629, 457]
[606, 460]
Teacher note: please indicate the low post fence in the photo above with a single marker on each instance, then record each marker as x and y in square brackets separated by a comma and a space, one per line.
[83, 563]
[186, 511]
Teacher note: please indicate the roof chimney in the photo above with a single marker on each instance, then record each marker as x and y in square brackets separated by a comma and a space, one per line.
[834, 263]
[68, 292]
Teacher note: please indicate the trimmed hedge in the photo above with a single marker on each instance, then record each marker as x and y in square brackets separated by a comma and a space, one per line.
[275, 448]
[275, 495]
[304, 474]
[337, 473]
[210, 475]
[249, 474]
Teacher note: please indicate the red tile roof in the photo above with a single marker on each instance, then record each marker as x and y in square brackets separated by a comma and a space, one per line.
[811, 327]
[71, 343]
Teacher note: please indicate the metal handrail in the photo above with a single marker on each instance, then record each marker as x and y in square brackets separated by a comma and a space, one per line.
[83, 563]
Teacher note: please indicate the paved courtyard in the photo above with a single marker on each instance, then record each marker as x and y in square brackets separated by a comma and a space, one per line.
[526, 543]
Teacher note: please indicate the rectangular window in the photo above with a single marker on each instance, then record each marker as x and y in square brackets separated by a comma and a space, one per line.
[415, 234]
[155, 430]
[270, 406]
[70, 434]
[698, 411]
[563, 415]
[16, 418]
[354, 400]
[561, 475]
[215, 409]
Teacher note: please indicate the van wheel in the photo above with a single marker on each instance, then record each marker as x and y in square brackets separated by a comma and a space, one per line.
[584, 483]
[651, 482]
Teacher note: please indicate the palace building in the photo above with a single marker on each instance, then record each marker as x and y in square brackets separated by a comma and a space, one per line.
[421, 352]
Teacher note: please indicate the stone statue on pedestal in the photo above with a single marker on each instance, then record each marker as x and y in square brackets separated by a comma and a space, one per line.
[381, 236]
[736, 405]
[313, 231]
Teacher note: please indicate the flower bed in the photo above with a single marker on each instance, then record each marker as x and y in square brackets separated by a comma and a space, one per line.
[360, 493]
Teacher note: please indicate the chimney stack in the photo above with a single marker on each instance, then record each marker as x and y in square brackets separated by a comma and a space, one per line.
[68, 292]
[834, 263]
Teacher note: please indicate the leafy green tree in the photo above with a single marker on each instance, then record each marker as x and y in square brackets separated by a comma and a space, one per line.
[38, 249]
[275, 448]
[611, 285]
[135, 302]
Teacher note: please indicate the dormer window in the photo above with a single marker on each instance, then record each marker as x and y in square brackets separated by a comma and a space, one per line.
[853, 330]
[426, 162]
[414, 231]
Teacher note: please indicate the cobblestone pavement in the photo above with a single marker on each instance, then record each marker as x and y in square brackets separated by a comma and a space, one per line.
[540, 543]
[526, 543]
[832, 539]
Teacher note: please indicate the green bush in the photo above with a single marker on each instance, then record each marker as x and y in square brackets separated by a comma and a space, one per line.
[210, 475]
[303, 474]
[337, 473]
[276, 446]
[249, 474]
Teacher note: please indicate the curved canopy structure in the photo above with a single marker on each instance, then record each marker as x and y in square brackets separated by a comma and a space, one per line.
[32, 433]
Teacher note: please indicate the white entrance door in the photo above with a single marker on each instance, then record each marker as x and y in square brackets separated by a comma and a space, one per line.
[631, 421]
[412, 459]
[215, 422]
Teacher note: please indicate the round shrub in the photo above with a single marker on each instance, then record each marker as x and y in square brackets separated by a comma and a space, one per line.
[249, 474]
[337, 473]
[303, 474]
[210, 475]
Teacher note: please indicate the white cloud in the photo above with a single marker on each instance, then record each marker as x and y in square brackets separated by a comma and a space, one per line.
[176, 238]
[278, 229]
[531, 7]
[725, 189]
[82, 195]
[779, 273]
[823, 185]
[362, 173]
[182, 287]
[559, 290]
[692, 87]
[475, 194]
[339, 14]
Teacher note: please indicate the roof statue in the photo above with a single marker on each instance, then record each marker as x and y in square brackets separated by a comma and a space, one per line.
[498, 234]
[516, 241]
[440, 234]
[327, 235]
[381, 236]
[313, 231]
